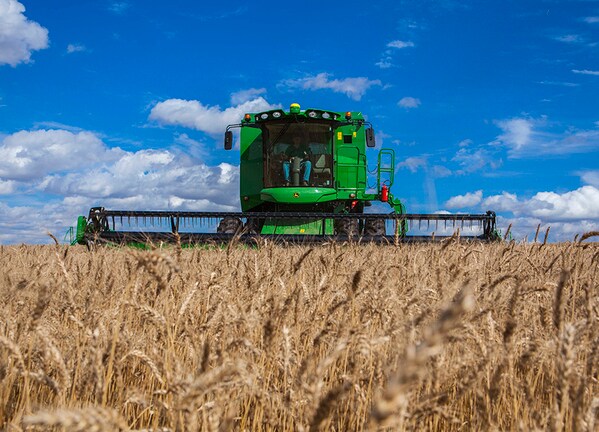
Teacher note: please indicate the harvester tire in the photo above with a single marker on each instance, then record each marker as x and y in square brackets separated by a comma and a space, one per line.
[229, 225]
[254, 225]
[374, 228]
[346, 227]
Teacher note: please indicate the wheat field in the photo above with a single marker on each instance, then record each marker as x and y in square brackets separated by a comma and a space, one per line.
[336, 337]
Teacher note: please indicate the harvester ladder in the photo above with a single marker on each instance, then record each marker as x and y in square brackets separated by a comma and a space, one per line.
[389, 168]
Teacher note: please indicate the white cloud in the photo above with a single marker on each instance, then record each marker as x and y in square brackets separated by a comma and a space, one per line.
[18, 35]
[570, 38]
[60, 174]
[440, 171]
[354, 88]
[209, 119]
[579, 204]
[73, 48]
[246, 95]
[590, 177]
[384, 63]
[559, 83]
[525, 137]
[191, 147]
[27, 155]
[413, 163]
[119, 7]
[524, 228]
[400, 44]
[409, 102]
[7, 187]
[470, 199]
[386, 60]
[585, 72]
[472, 160]
[567, 213]
[517, 132]
[152, 179]
[501, 203]
[592, 19]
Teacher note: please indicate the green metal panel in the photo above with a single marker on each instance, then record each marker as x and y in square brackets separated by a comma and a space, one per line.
[298, 195]
[350, 172]
[251, 167]
[81, 226]
[292, 226]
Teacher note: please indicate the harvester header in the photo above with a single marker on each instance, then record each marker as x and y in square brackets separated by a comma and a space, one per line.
[303, 177]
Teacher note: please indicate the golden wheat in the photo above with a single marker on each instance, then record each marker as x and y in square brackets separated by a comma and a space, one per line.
[451, 336]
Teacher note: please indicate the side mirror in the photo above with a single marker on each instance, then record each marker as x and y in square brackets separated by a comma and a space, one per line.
[370, 137]
[228, 140]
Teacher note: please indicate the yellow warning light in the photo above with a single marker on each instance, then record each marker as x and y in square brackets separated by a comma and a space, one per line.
[247, 117]
[348, 115]
[294, 108]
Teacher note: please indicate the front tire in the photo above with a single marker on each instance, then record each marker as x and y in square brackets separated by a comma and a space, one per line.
[374, 228]
[229, 225]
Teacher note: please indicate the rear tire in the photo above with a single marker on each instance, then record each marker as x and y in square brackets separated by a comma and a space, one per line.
[229, 225]
[346, 227]
[374, 228]
[254, 226]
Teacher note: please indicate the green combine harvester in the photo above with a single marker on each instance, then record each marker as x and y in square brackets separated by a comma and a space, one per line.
[303, 178]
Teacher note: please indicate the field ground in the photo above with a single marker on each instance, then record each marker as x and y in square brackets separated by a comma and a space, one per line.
[338, 337]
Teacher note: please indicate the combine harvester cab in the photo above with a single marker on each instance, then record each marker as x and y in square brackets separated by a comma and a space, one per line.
[303, 178]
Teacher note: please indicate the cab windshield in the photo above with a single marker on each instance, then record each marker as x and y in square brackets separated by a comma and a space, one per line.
[298, 154]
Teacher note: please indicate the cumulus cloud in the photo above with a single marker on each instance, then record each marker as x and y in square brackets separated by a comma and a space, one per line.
[567, 213]
[354, 88]
[579, 204]
[152, 179]
[27, 155]
[399, 44]
[18, 35]
[528, 137]
[409, 102]
[590, 177]
[470, 199]
[7, 187]
[72, 172]
[246, 95]
[209, 119]
[586, 72]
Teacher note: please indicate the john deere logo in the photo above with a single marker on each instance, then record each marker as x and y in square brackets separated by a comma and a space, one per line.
[295, 194]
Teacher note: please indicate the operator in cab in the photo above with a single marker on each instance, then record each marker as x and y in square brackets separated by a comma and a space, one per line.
[299, 150]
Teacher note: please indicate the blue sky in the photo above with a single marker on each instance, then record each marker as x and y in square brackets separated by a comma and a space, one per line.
[488, 104]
